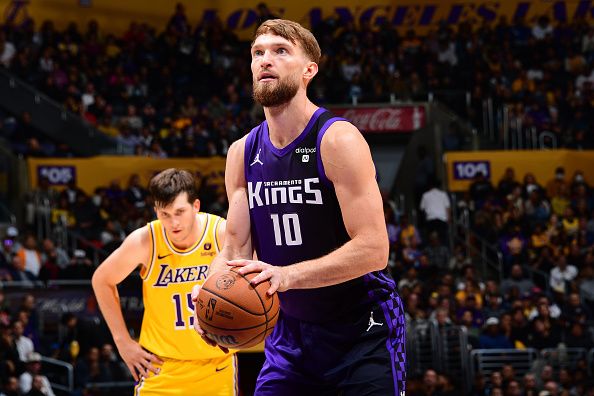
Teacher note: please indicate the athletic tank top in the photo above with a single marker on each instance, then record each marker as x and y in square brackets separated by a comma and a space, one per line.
[167, 325]
[295, 216]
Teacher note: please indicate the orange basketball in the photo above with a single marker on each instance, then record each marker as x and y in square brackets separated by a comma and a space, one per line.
[233, 313]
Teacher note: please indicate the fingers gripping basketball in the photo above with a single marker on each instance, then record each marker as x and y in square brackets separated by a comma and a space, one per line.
[233, 313]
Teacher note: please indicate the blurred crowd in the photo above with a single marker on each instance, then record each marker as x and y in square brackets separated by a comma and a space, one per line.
[25, 349]
[97, 222]
[541, 297]
[186, 90]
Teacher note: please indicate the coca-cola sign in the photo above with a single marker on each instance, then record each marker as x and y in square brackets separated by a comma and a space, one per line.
[384, 119]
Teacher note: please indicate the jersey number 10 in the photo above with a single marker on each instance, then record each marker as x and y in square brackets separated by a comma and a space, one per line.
[291, 228]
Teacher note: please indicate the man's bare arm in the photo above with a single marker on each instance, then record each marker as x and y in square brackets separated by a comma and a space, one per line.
[237, 243]
[134, 251]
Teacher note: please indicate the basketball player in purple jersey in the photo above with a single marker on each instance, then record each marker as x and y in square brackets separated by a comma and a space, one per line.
[303, 195]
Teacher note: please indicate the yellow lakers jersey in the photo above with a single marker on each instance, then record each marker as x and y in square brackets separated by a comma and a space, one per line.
[167, 326]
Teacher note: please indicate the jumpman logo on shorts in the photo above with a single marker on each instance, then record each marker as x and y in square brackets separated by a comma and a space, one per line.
[257, 159]
[373, 322]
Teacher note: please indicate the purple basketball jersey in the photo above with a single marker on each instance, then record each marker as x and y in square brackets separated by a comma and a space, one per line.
[295, 216]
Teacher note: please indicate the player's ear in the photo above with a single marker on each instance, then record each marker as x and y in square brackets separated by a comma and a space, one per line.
[196, 205]
[310, 70]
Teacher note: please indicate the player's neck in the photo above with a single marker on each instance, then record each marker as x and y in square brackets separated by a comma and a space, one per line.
[286, 122]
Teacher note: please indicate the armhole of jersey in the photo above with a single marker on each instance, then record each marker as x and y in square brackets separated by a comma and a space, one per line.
[145, 274]
[247, 150]
[321, 133]
[216, 234]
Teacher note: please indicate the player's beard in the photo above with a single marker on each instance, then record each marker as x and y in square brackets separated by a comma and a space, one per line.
[273, 94]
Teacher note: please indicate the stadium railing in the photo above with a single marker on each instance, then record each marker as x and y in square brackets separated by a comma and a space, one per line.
[444, 349]
[66, 378]
[422, 351]
[486, 361]
[114, 388]
[453, 354]
[490, 259]
[501, 127]
[563, 357]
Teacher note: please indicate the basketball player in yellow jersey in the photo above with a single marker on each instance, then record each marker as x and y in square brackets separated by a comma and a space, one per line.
[175, 253]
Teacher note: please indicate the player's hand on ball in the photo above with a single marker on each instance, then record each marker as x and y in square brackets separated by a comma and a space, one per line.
[209, 341]
[139, 361]
[267, 272]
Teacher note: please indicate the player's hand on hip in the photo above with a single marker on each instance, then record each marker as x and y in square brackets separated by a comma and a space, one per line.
[195, 293]
[274, 274]
[139, 361]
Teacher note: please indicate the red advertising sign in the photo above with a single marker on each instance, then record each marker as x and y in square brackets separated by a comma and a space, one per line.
[384, 119]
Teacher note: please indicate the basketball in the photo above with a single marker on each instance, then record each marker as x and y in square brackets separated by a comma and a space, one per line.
[235, 314]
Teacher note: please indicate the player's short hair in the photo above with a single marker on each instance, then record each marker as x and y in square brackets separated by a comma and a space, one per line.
[293, 32]
[165, 186]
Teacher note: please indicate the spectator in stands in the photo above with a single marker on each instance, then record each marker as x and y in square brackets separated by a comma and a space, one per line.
[557, 182]
[529, 385]
[552, 388]
[71, 192]
[492, 338]
[33, 369]
[88, 369]
[578, 336]
[517, 280]
[10, 363]
[574, 310]
[54, 253]
[435, 203]
[111, 366]
[446, 386]
[135, 193]
[18, 273]
[10, 243]
[430, 384]
[530, 185]
[7, 51]
[80, 267]
[87, 218]
[479, 386]
[562, 275]
[408, 230]
[23, 343]
[37, 387]
[10, 387]
[513, 245]
[437, 254]
[536, 209]
[494, 306]
[519, 328]
[412, 255]
[30, 256]
[480, 189]
[39, 202]
[496, 381]
[513, 388]
[507, 184]
[586, 288]
[545, 330]
[441, 317]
